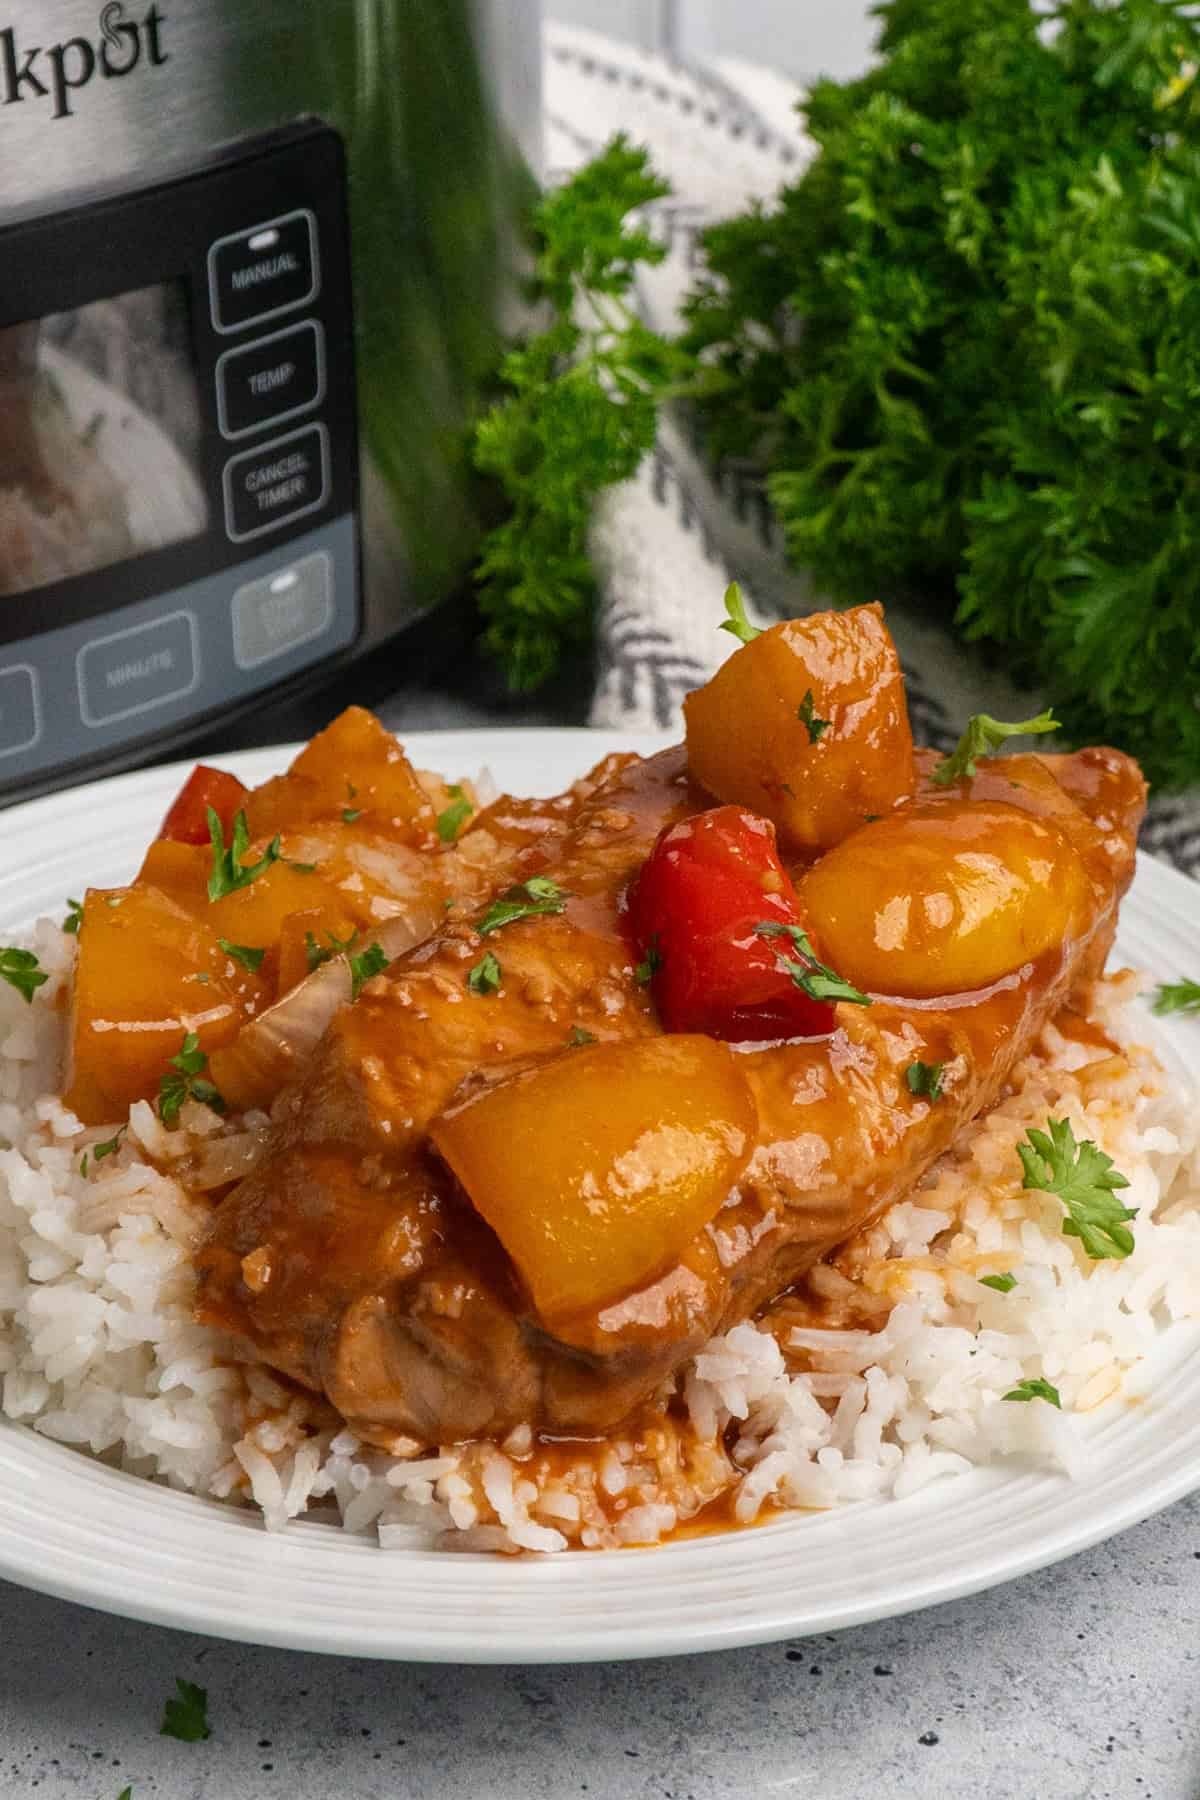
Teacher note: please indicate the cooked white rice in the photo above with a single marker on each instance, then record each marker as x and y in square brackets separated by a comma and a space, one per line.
[98, 1348]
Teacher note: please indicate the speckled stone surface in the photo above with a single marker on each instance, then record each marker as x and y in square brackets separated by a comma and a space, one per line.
[1078, 1683]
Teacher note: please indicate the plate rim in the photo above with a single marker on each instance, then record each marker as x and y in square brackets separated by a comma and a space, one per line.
[766, 1616]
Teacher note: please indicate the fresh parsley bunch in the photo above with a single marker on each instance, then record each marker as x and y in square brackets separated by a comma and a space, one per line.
[963, 349]
[578, 412]
[1083, 545]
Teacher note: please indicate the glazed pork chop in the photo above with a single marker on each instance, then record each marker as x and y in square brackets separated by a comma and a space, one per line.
[504, 1193]
[351, 1209]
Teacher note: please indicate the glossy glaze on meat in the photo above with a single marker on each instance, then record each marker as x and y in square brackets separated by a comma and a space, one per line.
[353, 1262]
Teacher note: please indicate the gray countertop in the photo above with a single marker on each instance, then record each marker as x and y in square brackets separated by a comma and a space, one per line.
[1078, 1683]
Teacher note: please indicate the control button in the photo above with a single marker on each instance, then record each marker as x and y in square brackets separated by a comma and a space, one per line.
[269, 486]
[265, 270]
[129, 672]
[279, 612]
[270, 380]
[20, 714]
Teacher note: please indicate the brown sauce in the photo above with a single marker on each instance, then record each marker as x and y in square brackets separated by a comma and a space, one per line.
[1080, 1029]
[717, 1517]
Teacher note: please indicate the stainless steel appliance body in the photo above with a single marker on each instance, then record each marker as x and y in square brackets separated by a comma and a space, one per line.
[240, 244]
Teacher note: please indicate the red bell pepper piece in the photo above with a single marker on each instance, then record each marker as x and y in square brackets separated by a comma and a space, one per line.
[187, 818]
[694, 914]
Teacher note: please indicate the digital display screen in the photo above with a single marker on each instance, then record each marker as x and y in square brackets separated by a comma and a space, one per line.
[99, 437]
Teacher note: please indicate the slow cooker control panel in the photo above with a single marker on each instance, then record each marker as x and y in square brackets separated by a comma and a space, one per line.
[186, 523]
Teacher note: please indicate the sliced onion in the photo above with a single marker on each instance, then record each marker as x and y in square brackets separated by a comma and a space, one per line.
[279, 1042]
[225, 1159]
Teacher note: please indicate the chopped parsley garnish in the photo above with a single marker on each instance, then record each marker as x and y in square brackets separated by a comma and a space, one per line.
[184, 1081]
[350, 813]
[645, 971]
[110, 1146]
[249, 957]
[1003, 1284]
[98, 1152]
[1171, 997]
[525, 901]
[1083, 1178]
[485, 977]
[455, 816]
[368, 962]
[811, 976]
[229, 872]
[1035, 1388]
[806, 716]
[737, 624]
[21, 970]
[983, 735]
[925, 1079]
[577, 1035]
[74, 918]
[364, 964]
[315, 955]
[185, 1715]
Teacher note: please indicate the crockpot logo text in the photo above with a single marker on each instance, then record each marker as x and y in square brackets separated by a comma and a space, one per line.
[56, 72]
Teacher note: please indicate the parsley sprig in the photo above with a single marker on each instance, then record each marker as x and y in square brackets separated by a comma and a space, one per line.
[527, 900]
[486, 976]
[1084, 1179]
[98, 1152]
[815, 727]
[184, 1080]
[21, 969]
[229, 871]
[645, 971]
[1002, 1284]
[983, 735]
[579, 411]
[368, 962]
[185, 1715]
[246, 954]
[736, 623]
[452, 819]
[315, 954]
[925, 1079]
[110, 1146]
[1177, 997]
[1035, 1387]
[811, 976]
[74, 918]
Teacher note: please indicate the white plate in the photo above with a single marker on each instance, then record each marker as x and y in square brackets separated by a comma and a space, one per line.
[72, 1527]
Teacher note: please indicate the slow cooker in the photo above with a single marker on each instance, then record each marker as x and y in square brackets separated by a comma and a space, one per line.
[256, 260]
